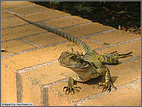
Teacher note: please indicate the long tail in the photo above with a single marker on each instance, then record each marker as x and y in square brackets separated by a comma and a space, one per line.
[85, 48]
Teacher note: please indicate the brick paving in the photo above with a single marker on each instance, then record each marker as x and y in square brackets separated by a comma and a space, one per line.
[30, 72]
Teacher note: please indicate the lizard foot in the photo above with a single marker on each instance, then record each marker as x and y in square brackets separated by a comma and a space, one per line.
[107, 86]
[71, 89]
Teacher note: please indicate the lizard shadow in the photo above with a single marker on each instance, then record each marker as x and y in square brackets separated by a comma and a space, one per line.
[113, 63]
[99, 79]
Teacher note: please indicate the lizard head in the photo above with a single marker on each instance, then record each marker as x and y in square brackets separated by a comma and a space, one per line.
[72, 61]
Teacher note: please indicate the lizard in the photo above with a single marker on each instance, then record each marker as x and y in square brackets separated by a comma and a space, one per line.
[87, 65]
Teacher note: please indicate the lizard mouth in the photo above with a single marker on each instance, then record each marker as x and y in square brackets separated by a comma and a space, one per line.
[77, 66]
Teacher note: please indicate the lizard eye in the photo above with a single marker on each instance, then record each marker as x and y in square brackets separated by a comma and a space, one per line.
[73, 57]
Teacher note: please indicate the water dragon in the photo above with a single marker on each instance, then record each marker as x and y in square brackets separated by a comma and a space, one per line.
[86, 65]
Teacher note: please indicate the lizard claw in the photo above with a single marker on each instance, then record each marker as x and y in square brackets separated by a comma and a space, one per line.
[70, 89]
[107, 86]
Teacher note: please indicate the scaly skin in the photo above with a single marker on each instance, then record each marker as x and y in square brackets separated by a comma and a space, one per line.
[84, 71]
[87, 65]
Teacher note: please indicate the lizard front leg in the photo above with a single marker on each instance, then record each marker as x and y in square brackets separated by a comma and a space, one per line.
[76, 53]
[71, 86]
[108, 82]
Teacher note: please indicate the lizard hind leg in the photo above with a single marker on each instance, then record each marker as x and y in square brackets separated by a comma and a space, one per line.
[125, 55]
[112, 58]
[117, 55]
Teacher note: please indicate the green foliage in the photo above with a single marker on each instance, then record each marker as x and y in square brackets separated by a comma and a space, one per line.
[108, 13]
[54, 2]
